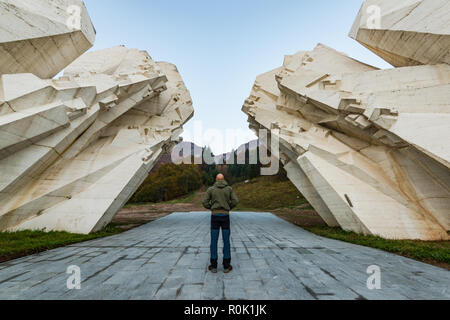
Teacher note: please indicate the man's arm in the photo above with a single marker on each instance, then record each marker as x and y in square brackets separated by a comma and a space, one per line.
[207, 200]
[234, 199]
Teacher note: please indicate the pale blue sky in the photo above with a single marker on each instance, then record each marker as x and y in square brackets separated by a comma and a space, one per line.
[220, 47]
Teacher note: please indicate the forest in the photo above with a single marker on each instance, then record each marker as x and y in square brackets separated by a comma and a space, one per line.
[172, 181]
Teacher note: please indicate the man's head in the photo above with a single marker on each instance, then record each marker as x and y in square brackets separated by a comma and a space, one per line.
[220, 177]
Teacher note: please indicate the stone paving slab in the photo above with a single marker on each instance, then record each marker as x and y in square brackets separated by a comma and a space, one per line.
[168, 259]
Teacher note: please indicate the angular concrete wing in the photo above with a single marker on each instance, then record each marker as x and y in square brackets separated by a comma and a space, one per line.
[368, 148]
[42, 36]
[406, 32]
[73, 150]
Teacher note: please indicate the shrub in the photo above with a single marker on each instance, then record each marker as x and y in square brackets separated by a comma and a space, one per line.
[169, 182]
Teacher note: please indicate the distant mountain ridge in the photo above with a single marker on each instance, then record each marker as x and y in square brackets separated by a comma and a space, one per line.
[243, 148]
[182, 147]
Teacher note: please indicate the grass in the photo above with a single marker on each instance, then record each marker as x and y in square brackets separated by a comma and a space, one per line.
[267, 193]
[186, 199]
[260, 194]
[270, 194]
[18, 244]
[426, 251]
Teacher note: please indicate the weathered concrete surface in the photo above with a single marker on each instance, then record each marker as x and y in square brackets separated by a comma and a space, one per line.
[42, 37]
[74, 149]
[352, 136]
[410, 32]
[167, 259]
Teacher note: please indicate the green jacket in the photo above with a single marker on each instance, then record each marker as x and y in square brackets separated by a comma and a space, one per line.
[220, 197]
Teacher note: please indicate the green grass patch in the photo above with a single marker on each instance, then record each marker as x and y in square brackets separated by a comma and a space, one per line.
[435, 251]
[299, 202]
[22, 243]
[185, 199]
[267, 193]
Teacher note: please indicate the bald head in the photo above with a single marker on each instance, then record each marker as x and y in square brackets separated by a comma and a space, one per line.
[220, 177]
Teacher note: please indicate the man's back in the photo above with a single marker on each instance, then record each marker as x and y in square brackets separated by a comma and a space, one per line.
[220, 197]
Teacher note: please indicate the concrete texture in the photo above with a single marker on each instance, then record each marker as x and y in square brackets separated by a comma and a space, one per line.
[42, 36]
[168, 259]
[74, 149]
[410, 32]
[352, 136]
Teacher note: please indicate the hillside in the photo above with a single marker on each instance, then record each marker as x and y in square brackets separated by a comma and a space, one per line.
[268, 194]
[280, 197]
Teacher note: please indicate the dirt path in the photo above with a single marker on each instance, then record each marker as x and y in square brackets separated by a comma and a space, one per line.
[133, 216]
[280, 262]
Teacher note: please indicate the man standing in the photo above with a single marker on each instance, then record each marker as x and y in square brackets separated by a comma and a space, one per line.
[220, 199]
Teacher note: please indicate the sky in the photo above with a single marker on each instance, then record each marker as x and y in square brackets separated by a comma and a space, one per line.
[220, 47]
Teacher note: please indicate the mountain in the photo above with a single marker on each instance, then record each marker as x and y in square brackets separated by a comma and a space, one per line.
[185, 149]
[242, 149]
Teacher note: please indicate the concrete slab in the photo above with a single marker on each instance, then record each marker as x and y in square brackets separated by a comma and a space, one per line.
[168, 259]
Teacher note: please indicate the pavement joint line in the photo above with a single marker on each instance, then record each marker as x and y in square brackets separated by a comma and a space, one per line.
[272, 259]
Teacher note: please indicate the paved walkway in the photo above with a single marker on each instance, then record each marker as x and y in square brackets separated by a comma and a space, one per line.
[168, 258]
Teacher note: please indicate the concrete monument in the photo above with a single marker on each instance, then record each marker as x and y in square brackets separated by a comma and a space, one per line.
[74, 149]
[368, 148]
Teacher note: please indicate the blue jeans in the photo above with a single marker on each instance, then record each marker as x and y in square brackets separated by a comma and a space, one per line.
[220, 222]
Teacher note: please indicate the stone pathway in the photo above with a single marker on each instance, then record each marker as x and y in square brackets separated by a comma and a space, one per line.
[168, 258]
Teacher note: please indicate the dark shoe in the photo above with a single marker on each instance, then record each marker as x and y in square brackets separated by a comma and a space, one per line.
[212, 269]
[228, 270]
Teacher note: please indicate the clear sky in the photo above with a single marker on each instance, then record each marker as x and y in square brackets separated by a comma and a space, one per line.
[220, 47]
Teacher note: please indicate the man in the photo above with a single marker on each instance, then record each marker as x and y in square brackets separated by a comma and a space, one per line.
[220, 199]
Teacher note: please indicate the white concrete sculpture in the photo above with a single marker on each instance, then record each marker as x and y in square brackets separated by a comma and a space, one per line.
[407, 32]
[368, 148]
[43, 36]
[73, 150]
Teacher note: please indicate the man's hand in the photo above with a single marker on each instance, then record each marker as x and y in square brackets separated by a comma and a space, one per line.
[207, 200]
